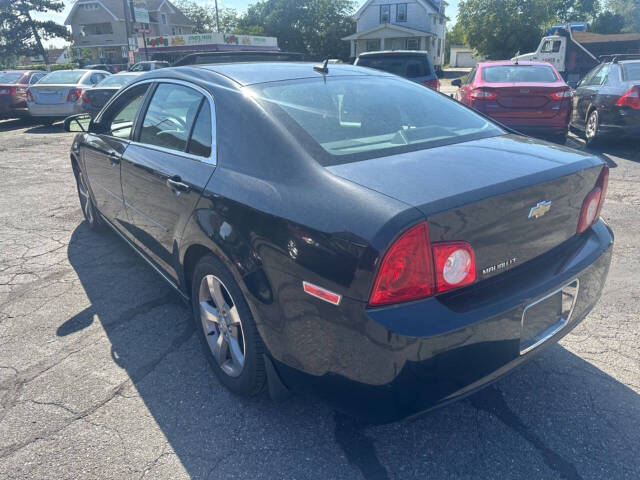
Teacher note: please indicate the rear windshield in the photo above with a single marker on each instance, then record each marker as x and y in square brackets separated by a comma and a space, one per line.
[116, 80]
[344, 119]
[518, 73]
[409, 66]
[70, 77]
[631, 71]
[10, 77]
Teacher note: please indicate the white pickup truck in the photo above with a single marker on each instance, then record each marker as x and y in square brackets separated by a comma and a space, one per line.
[574, 53]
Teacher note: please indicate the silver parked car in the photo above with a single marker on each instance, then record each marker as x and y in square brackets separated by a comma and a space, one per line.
[55, 95]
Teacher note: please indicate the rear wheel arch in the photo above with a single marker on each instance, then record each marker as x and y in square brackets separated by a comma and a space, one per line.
[191, 258]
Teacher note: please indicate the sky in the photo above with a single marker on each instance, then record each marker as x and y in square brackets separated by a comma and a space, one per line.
[451, 12]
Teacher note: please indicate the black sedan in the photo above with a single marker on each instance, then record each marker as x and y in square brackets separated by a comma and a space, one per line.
[345, 231]
[606, 102]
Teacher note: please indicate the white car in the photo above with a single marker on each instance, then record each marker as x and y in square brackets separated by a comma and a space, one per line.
[56, 94]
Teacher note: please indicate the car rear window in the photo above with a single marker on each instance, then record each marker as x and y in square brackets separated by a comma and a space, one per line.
[631, 71]
[10, 77]
[344, 119]
[519, 73]
[70, 77]
[116, 80]
[408, 66]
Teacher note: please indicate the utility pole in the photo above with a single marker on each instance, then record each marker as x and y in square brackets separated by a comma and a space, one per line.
[126, 6]
[217, 18]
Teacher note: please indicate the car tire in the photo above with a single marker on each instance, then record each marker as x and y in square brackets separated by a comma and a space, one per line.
[591, 128]
[89, 210]
[228, 332]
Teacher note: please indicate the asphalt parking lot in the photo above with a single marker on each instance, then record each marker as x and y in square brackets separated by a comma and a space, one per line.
[102, 375]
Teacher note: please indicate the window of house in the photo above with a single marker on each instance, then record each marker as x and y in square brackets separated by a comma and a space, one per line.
[163, 17]
[96, 29]
[385, 13]
[413, 44]
[173, 30]
[401, 12]
[170, 115]
[373, 45]
[439, 46]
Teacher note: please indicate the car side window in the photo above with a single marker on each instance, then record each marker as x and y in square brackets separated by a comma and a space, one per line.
[471, 77]
[120, 117]
[588, 78]
[35, 77]
[556, 46]
[601, 76]
[200, 141]
[170, 115]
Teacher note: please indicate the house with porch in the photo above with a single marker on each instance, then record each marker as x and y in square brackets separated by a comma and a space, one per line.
[102, 26]
[400, 25]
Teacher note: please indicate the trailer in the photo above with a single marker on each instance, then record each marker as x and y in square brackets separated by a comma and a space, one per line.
[574, 52]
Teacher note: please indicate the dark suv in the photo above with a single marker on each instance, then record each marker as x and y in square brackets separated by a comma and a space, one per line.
[411, 64]
[607, 100]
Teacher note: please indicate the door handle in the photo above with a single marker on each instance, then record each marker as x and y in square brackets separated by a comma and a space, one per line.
[176, 185]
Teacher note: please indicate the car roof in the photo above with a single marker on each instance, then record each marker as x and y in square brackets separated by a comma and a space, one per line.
[261, 72]
[417, 53]
[494, 63]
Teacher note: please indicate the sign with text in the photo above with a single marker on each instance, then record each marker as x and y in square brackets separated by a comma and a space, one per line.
[206, 39]
[140, 12]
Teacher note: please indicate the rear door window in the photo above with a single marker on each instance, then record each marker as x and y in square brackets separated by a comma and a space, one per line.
[170, 116]
[200, 142]
[408, 66]
[519, 74]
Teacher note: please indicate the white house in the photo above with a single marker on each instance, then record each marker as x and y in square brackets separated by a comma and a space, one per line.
[400, 25]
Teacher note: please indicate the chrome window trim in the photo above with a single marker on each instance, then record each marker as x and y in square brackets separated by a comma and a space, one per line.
[211, 159]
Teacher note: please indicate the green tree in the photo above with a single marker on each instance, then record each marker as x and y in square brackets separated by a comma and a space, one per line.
[229, 20]
[572, 10]
[629, 10]
[203, 17]
[498, 29]
[313, 26]
[21, 34]
[455, 36]
[607, 22]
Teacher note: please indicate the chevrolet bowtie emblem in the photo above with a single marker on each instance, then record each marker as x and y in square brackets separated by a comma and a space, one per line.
[540, 209]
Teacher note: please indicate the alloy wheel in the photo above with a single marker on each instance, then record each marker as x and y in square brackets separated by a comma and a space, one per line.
[222, 325]
[591, 129]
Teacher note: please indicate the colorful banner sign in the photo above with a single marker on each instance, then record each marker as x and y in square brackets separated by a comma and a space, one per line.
[206, 39]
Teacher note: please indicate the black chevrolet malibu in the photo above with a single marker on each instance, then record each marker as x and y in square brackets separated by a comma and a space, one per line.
[345, 231]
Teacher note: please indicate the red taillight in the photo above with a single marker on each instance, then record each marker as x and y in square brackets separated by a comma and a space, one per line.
[433, 84]
[74, 94]
[412, 269]
[29, 96]
[480, 94]
[455, 265]
[85, 98]
[561, 95]
[630, 98]
[406, 272]
[592, 204]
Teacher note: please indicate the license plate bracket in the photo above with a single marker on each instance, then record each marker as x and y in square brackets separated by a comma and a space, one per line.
[546, 316]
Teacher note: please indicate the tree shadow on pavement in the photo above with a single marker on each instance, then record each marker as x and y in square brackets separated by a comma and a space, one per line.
[556, 417]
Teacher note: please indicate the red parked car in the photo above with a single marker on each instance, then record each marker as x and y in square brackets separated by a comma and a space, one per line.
[530, 97]
[13, 91]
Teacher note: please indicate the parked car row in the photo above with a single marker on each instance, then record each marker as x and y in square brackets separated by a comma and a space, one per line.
[531, 97]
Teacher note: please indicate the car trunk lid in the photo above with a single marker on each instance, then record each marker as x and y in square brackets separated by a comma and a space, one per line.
[510, 197]
[50, 94]
[522, 100]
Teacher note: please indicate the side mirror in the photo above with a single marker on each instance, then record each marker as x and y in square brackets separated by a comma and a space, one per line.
[77, 123]
[456, 83]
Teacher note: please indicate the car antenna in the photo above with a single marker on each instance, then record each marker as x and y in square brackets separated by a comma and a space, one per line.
[324, 68]
[515, 62]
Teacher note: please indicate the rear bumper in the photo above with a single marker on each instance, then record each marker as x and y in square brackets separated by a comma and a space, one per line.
[10, 108]
[395, 362]
[57, 110]
[623, 122]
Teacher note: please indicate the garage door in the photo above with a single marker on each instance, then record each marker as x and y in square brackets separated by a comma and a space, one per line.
[465, 59]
